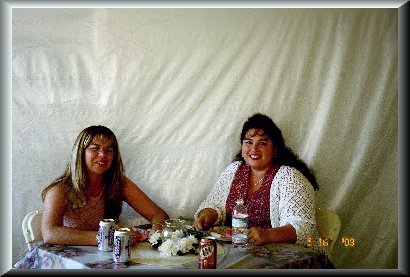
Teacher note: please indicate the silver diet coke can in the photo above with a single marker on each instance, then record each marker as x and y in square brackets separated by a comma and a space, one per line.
[121, 252]
[207, 253]
[105, 236]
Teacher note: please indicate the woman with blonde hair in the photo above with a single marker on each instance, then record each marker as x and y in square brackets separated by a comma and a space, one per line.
[92, 188]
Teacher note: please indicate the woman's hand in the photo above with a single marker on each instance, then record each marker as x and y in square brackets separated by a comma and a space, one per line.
[282, 234]
[138, 235]
[206, 219]
[258, 236]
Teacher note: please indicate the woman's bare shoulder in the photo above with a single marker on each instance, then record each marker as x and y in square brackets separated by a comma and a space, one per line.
[58, 189]
[128, 182]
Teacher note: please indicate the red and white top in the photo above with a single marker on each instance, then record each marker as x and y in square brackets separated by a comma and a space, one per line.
[286, 196]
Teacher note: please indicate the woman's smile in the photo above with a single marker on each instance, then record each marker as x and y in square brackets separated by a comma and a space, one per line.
[257, 149]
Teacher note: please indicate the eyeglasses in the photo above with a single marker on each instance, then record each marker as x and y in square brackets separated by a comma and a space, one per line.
[97, 150]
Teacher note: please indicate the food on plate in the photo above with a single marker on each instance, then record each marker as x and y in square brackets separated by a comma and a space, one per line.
[228, 233]
[221, 233]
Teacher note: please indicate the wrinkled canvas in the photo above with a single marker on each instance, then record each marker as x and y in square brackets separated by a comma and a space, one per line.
[176, 85]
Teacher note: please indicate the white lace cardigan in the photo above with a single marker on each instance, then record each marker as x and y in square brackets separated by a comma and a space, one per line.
[291, 200]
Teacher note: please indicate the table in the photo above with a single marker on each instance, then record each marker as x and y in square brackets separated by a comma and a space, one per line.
[272, 256]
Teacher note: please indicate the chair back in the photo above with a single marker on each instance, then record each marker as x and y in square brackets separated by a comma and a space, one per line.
[32, 227]
[328, 225]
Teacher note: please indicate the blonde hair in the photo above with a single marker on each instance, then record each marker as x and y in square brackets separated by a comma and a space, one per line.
[74, 177]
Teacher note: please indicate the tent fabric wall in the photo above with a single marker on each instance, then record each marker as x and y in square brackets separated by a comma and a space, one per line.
[176, 85]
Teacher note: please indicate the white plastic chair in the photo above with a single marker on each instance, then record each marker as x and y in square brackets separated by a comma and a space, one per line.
[328, 225]
[32, 228]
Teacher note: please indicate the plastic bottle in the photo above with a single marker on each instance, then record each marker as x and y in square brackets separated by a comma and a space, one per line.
[239, 224]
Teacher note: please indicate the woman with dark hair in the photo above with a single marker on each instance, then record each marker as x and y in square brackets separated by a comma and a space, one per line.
[92, 188]
[276, 186]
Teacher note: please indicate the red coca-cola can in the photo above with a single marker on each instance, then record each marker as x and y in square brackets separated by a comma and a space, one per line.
[207, 253]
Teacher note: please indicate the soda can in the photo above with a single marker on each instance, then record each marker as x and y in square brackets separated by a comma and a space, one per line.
[207, 253]
[105, 236]
[122, 252]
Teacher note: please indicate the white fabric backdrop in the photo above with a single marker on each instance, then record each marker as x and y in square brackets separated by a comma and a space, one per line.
[176, 85]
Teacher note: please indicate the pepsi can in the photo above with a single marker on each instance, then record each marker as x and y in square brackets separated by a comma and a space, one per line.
[122, 249]
[105, 236]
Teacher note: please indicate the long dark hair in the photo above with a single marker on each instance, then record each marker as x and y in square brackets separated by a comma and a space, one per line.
[284, 154]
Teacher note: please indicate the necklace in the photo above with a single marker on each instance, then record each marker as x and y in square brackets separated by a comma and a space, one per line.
[258, 182]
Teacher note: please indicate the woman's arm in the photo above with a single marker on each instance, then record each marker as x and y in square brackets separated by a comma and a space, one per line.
[292, 210]
[143, 205]
[282, 234]
[53, 231]
[296, 203]
[212, 210]
[205, 219]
